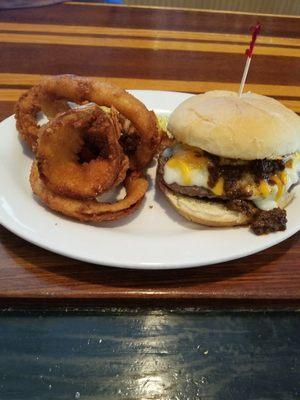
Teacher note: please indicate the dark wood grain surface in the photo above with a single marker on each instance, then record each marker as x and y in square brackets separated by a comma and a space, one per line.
[150, 355]
[141, 48]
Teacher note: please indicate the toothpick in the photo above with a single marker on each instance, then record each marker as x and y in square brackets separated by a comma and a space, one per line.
[255, 32]
[245, 73]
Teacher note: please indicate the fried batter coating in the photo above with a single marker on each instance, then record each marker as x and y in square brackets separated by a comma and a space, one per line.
[27, 109]
[60, 153]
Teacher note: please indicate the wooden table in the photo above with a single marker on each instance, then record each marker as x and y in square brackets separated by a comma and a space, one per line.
[147, 48]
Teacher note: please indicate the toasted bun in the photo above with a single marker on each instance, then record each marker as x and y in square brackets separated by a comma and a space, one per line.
[209, 213]
[250, 127]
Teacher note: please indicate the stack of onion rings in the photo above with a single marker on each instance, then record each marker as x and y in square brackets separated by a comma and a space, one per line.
[84, 152]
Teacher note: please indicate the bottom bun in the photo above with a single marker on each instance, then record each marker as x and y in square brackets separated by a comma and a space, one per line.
[208, 212]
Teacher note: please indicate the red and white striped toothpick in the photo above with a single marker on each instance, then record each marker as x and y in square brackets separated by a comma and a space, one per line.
[255, 32]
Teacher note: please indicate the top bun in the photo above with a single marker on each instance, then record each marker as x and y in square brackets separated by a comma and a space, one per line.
[250, 127]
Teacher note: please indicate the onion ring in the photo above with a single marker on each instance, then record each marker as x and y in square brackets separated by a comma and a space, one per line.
[27, 109]
[78, 90]
[60, 148]
[91, 210]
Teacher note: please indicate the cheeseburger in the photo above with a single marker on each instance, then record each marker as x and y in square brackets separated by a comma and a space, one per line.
[235, 160]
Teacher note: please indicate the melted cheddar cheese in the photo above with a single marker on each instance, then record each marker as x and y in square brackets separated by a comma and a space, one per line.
[264, 188]
[182, 166]
[218, 189]
[187, 166]
[280, 180]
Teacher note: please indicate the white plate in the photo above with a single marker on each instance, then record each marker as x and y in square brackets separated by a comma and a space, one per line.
[153, 238]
